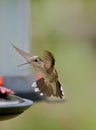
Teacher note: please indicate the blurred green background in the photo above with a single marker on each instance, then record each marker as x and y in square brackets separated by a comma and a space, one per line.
[68, 29]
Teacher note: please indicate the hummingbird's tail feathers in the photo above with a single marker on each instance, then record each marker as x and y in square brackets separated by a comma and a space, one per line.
[24, 54]
[59, 92]
[45, 90]
[42, 87]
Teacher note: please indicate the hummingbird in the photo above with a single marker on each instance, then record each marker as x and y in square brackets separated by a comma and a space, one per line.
[48, 84]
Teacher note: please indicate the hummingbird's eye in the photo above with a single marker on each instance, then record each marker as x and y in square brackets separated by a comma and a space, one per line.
[35, 60]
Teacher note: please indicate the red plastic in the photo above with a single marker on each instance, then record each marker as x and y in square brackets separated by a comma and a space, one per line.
[4, 90]
[1, 81]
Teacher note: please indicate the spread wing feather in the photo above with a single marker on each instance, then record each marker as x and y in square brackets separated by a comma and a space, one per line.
[49, 61]
[24, 54]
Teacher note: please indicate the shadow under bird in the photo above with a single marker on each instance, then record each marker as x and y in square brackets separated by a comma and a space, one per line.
[48, 84]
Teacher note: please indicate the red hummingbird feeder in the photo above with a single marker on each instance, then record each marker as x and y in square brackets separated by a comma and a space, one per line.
[4, 90]
[11, 105]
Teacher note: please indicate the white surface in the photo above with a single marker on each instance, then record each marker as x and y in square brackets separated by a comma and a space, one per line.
[14, 28]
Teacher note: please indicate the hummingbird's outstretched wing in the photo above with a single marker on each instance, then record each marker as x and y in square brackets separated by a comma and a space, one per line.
[49, 61]
[24, 54]
[47, 90]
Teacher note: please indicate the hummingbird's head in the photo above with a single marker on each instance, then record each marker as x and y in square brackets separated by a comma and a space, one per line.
[37, 61]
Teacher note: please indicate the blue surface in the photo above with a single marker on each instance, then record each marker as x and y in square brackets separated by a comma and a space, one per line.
[21, 85]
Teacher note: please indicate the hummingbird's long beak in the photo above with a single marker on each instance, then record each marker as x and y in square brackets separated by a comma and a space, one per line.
[23, 64]
[32, 60]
